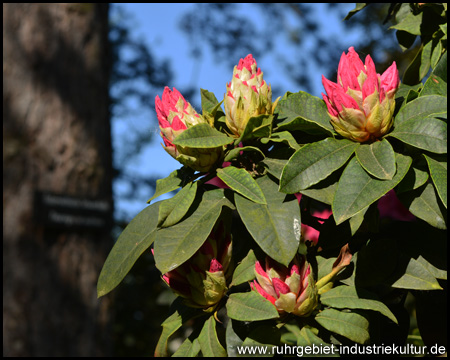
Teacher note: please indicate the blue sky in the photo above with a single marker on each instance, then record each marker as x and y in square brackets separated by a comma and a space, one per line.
[157, 25]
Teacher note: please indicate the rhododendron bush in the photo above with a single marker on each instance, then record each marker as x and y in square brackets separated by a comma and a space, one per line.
[302, 220]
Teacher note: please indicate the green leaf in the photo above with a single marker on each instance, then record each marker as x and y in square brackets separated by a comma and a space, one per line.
[414, 178]
[302, 111]
[411, 24]
[416, 277]
[441, 67]
[348, 297]
[324, 191]
[188, 349]
[307, 338]
[242, 182]
[314, 162]
[351, 325]
[357, 189]
[209, 101]
[170, 325]
[434, 86]
[173, 210]
[245, 271]
[274, 166]
[168, 184]
[433, 270]
[181, 314]
[250, 306]
[421, 108]
[208, 340]
[428, 134]
[176, 244]
[257, 126]
[274, 226]
[284, 137]
[359, 7]
[438, 171]
[425, 62]
[134, 240]
[378, 159]
[234, 153]
[202, 136]
[424, 204]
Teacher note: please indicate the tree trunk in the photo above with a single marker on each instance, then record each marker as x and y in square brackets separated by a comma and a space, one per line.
[56, 138]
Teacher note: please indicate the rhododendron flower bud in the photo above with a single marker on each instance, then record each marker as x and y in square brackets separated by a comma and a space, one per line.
[203, 280]
[247, 95]
[361, 104]
[291, 289]
[175, 115]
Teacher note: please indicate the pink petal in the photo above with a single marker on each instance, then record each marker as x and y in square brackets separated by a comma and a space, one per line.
[260, 290]
[260, 270]
[247, 62]
[390, 79]
[177, 124]
[280, 286]
[215, 266]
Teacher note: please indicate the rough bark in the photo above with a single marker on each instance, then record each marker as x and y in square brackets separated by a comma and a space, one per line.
[56, 137]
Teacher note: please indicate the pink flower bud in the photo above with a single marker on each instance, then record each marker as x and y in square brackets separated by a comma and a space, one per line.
[247, 95]
[291, 289]
[361, 104]
[203, 280]
[175, 115]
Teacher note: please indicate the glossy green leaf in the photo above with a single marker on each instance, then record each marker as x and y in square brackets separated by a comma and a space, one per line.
[209, 100]
[132, 242]
[284, 137]
[411, 24]
[233, 340]
[434, 86]
[428, 134]
[377, 158]
[314, 162]
[188, 349]
[275, 226]
[245, 271]
[421, 108]
[170, 325]
[438, 171]
[359, 7]
[414, 178]
[202, 136]
[351, 325]
[357, 189]
[250, 306]
[426, 206]
[433, 270]
[425, 62]
[257, 126]
[324, 191]
[348, 297]
[417, 277]
[242, 182]
[208, 340]
[176, 244]
[180, 315]
[234, 153]
[274, 166]
[168, 184]
[441, 67]
[302, 111]
[172, 210]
